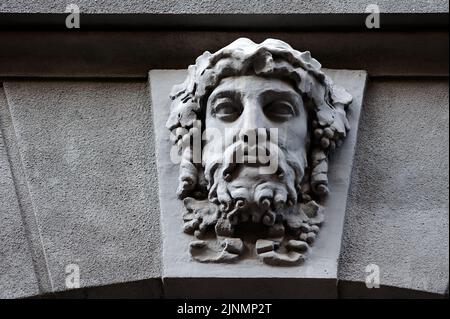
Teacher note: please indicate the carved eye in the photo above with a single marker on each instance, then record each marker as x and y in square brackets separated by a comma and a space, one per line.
[227, 110]
[279, 111]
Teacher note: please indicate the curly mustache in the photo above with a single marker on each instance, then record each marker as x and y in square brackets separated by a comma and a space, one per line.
[277, 187]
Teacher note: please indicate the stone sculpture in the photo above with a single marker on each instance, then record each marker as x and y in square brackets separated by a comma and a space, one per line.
[254, 125]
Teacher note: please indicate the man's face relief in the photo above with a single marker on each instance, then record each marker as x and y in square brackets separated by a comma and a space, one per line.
[260, 123]
[252, 185]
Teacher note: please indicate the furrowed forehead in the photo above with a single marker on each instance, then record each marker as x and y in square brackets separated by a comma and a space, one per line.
[252, 83]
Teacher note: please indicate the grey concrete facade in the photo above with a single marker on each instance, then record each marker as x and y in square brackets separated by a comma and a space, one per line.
[78, 163]
[223, 6]
[371, 223]
[18, 277]
[89, 211]
[399, 193]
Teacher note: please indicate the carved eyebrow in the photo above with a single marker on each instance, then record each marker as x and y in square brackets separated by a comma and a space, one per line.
[225, 93]
[280, 93]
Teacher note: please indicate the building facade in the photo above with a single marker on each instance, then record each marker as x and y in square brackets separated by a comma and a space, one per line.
[83, 196]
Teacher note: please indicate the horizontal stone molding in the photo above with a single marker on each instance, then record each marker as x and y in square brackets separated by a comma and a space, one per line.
[73, 54]
[287, 21]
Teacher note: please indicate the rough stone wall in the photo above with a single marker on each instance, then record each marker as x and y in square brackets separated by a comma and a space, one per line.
[397, 214]
[86, 151]
[78, 180]
[223, 6]
[17, 273]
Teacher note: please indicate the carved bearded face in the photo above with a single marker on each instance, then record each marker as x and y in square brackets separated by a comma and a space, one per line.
[256, 160]
[268, 117]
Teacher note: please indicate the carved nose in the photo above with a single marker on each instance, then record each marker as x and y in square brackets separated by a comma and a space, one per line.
[253, 118]
[254, 136]
[253, 127]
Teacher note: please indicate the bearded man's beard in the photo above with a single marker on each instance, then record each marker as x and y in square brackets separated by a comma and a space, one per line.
[245, 192]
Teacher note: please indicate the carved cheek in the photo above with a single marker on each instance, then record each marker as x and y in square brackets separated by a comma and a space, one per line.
[293, 135]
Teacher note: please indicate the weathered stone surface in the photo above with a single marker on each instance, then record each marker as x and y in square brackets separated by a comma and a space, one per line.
[179, 269]
[397, 216]
[223, 6]
[87, 153]
[17, 274]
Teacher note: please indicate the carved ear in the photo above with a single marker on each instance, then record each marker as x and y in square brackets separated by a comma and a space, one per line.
[341, 100]
[340, 96]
